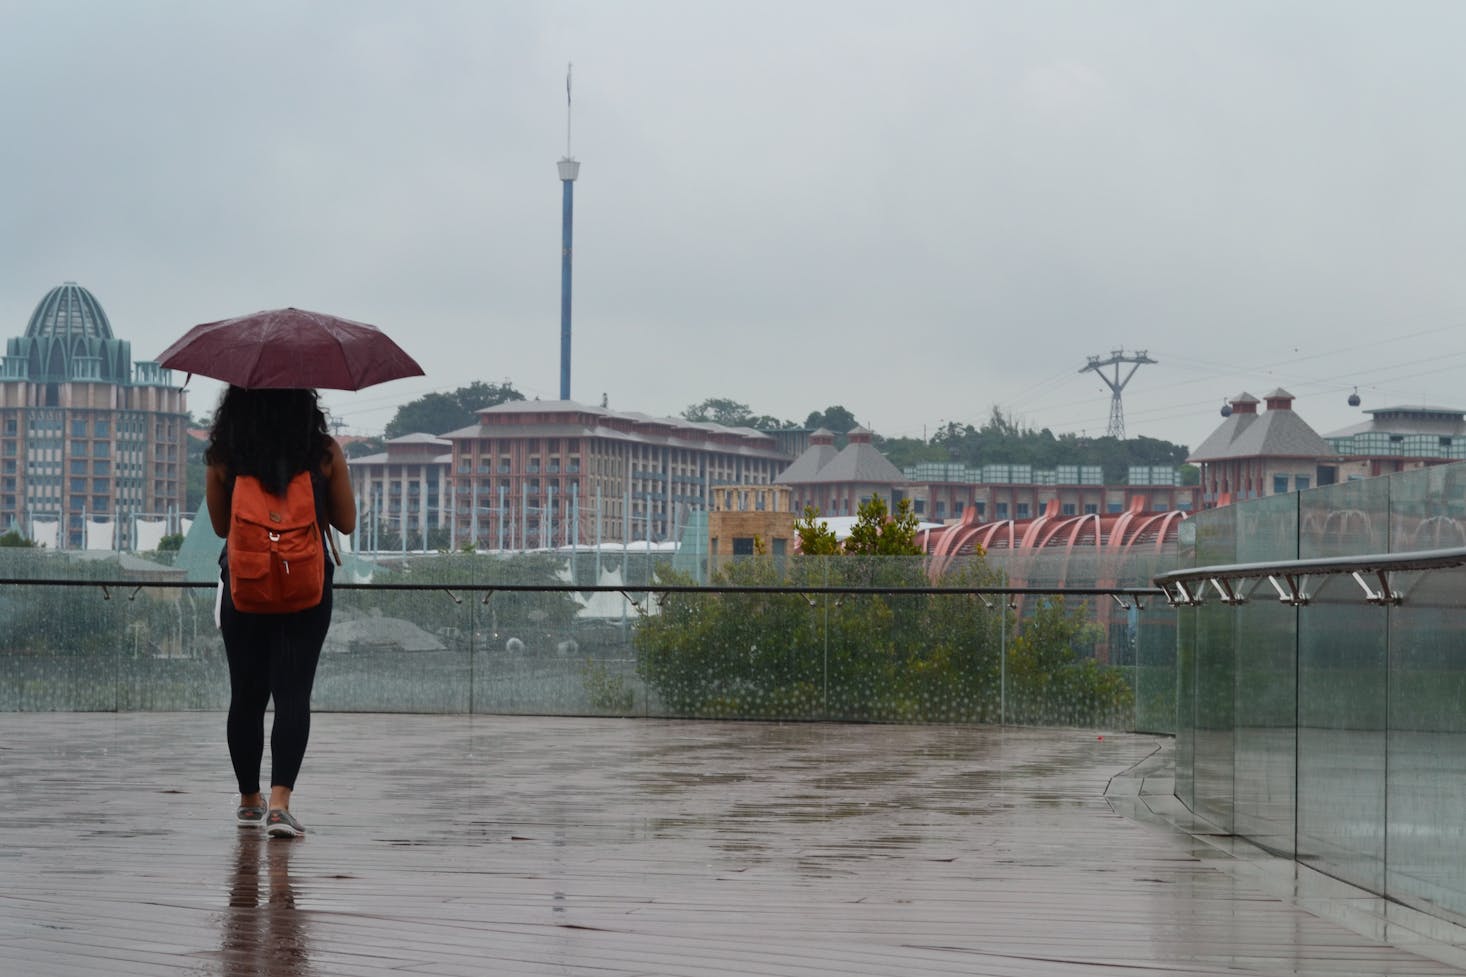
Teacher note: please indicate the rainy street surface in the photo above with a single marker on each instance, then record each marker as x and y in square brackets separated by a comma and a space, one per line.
[456, 845]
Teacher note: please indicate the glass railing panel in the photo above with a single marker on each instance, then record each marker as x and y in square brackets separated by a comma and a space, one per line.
[170, 656]
[1155, 636]
[1188, 639]
[61, 651]
[1266, 649]
[1213, 744]
[1341, 690]
[399, 651]
[1426, 785]
[453, 633]
[1186, 658]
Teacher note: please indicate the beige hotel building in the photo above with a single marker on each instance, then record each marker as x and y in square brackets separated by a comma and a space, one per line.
[91, 443]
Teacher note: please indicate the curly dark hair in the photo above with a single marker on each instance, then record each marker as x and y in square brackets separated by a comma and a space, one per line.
[270, 434]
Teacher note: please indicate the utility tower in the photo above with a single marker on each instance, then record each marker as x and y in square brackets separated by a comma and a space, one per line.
[1117, 358]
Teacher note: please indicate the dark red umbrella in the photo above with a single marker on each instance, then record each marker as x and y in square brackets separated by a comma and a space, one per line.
[290, 348]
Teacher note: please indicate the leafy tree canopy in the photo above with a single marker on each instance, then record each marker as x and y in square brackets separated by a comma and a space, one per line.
[361, 447]
[1001, 440]
[877, 531]
[721, 410]
[14, 538]
[836, 419]
[437, 413]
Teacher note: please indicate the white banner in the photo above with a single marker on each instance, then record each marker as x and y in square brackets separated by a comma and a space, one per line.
[47, 533]
[149, 533]
[100, 534]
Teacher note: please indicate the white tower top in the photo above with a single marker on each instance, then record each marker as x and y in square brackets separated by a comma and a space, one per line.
[569, 168]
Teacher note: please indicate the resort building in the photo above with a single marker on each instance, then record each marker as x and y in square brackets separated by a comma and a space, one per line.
[536, 474]
[402, 494]
[836, 482]
[91, 444]
[1253, 454]
[1397, 439]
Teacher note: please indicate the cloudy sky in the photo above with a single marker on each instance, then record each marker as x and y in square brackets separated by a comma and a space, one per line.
[918, 211]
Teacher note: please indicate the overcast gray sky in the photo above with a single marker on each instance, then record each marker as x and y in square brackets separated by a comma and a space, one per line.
[915, 210]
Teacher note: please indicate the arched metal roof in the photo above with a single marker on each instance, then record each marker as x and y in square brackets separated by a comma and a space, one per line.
[69, 311]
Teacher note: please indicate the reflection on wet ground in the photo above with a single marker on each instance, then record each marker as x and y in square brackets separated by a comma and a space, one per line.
[263, 933]
[448, 845]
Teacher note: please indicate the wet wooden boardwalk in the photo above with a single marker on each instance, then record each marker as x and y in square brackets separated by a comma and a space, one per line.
[449, 845]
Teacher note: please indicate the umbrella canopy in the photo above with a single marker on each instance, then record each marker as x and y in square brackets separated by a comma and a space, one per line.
[290, 348]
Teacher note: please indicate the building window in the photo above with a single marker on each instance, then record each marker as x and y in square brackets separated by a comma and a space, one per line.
[1301, 483]
[1280, 484]
[1022, 510]
[1090, 509]
[1001, 509]
[1069, 509]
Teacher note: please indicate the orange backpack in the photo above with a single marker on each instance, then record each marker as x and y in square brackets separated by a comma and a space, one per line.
[277, 563]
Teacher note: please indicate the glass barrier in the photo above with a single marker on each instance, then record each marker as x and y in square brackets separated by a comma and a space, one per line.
[478, 634]
[1343, 739]
[1341, 689]
[1214, 681]
[1425, 783]
[1265, 650]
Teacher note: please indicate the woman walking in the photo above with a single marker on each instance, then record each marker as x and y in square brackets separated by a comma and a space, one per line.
[273, 435]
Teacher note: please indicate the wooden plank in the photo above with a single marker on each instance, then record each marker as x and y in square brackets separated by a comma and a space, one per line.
[448, 845]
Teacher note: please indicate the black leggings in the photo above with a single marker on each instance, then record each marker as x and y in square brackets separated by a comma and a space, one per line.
[271, 655]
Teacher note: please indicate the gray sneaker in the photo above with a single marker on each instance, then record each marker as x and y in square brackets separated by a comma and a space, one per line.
[280, 823]
[251, 815]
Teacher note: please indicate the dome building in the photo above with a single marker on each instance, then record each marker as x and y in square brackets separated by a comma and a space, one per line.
[90, 442]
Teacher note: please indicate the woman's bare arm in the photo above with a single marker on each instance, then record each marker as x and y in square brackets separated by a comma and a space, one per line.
[217, 496]
[340, 498]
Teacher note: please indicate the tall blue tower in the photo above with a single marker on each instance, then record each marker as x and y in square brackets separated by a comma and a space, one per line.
[569, 170]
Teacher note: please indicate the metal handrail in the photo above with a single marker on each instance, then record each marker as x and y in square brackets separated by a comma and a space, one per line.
[1235, 582]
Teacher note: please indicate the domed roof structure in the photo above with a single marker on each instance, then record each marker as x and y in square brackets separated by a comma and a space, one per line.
[68, 339]
[67, 311]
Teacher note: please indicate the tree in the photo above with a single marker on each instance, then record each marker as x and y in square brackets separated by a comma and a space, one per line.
[361, 447]
[877, 532]
[437, 412]
[14, 539]
[835, 419]
[720, 410]
[171, 543]
[1002, 440]
[904, 452]
[816, 538]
